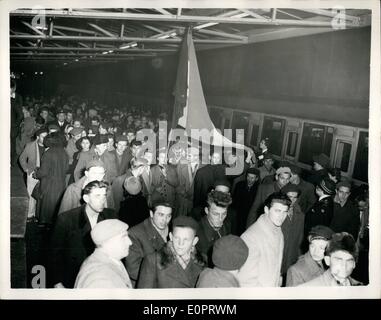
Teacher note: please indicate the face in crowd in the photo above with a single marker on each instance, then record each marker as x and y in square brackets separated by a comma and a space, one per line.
[95, 174]
[215, 158]
[277, 213]
[101, 148]
[317, 248]
[162, 158]
[268, 164]
[293, 196]
[121, 146]
[251, 178]
[96, 199]
[343, 193]
[192, 155]
[183, 239]
[41, 137]
[341, 264]
[61, 117]
[161, 217]
[216, 215]
[118, 247]
[283, 179]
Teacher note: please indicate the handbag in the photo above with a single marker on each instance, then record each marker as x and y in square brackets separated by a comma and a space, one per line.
[36, 193]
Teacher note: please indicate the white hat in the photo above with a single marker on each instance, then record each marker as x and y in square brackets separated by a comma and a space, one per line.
[107, 229]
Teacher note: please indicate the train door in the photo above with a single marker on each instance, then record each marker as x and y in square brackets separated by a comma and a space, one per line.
[343, 155]
[290, 149]
[241, 121]
[273, 128]
[360, 170]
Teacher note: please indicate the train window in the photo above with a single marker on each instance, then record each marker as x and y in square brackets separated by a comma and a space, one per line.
[316, 139]
[240, 121]
[273, 128]
[254, 135]
[216, 117]
[343, 154]
[292, 143]
[360, 171]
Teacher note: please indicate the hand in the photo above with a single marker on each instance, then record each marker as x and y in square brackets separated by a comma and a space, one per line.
[59, 286]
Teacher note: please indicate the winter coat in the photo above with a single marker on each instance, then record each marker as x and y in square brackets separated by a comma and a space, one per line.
[262, 267]
[346, 218]
[161, 270]
[123, 166]
[164, 187]
[101, 271]
[216, 278]
[52, 174]
[321, 213]
[304, 270]
[185, 189]
[327, 280]
[145, 240]
[30, 157]
[71, 244]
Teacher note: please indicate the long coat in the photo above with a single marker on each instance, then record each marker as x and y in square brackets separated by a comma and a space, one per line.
[346, 218]
[161, 270]
[216, 278]
[71, 244]
[30, 157]
[72, 197]
[262, 267]
[124, 164]
[304, 270]
[133, 209]
[52, 174]
[307, 196]
[207, 237]
[164, 187]
[145, 240]
[25, 135]
[185, 189]
[100, 271]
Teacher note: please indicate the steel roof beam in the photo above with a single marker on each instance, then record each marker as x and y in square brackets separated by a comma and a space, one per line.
[87, 48]
[104, 31]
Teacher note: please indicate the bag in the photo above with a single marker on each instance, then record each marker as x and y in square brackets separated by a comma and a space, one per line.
[36, 193]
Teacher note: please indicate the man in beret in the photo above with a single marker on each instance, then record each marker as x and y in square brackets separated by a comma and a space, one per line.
[73, 194]
[177, 264]
[30, 160]
[310, 265]
[229, 254]
[265, 241]
[321, 212]
[292, 228]
[214, 224]
[122, 155]
[321, 163]
[103, 269]
[307, 196]
[71, 243]
[243, 197]
[99, 151]
[282, 177]
[148, 237]
[346, 216]
[341, 255]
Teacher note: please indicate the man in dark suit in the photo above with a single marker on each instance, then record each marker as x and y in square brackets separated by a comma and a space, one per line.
[148, 237]
[71, 242]
[60, 122]
[122, 154]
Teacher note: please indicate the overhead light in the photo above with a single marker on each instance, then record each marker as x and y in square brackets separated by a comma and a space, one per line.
[41, 72]
[65, 63]
[76, 60]
[105, 52]
[111, 51]
[130, 45]
[35, 72]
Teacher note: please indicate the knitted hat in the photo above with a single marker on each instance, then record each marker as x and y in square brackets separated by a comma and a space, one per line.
[185, 221]
[321, 159]
[320, 232]
[328, 186]
[342, 242]
[107, 229]
[230, 253]
[132, 185]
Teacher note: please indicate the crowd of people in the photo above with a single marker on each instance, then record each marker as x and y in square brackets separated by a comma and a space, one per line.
[122, 214]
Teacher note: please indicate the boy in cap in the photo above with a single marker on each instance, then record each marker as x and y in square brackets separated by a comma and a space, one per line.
[103, 269]
[148, 236]
[177, 264]
[282, 177]
[321, 212]
[340, 256]
[310, 265]
[346, 216]
[229, 254]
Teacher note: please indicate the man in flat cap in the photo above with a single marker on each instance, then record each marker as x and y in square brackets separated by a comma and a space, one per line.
[321, 163]
[122, 155]
[73, 195]
[177, 264]
[30, 161]
[321, 212]
[71, 243]
[148, 237]
[104, 269]
[282, 177]
[229, 254]
[265, 241]
[267, 169]
[310, 265]
[99, 151]
[341, 255]
[307, 196]
[346, 216]
[243, 197]
[292, 228]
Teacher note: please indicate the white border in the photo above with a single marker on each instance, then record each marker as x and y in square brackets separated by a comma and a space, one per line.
[371, 291]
